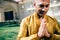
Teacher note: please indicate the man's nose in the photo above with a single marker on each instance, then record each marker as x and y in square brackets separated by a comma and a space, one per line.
[43, 9]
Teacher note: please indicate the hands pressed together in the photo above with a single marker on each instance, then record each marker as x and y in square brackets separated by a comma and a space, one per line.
[43, 30]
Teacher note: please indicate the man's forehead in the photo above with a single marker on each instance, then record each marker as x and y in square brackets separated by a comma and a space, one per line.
[42, 1]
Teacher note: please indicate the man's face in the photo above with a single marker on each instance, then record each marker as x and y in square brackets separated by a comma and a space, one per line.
[42, 6]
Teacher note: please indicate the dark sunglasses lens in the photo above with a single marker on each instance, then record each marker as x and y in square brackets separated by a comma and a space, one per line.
[41, 6]
[47, 6]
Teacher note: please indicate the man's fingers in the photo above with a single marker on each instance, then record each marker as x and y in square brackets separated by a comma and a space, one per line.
[41, 32]
[46, 33]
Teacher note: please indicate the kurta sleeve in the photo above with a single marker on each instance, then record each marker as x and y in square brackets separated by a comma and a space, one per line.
[22, 35]
[57, 30]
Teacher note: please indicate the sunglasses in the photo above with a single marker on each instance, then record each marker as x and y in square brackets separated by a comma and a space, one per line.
[42, 6]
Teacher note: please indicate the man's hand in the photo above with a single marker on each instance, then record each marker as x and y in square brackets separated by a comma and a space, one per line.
[43, 30]
[46, 33]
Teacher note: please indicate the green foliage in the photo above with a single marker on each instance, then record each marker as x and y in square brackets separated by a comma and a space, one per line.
[9, 24]
[8, 33]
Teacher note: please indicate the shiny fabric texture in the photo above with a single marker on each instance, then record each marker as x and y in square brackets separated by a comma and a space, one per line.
[30, 25]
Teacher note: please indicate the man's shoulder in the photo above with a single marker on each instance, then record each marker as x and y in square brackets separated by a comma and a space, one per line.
[51, 17]
[27, 18]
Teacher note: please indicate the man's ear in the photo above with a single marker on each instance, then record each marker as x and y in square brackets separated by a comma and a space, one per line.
[34, 3]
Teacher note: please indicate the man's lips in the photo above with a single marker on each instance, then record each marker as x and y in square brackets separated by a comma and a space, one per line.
[41, 12]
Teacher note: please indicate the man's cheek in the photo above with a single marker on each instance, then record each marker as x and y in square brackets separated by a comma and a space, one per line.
[47, 10]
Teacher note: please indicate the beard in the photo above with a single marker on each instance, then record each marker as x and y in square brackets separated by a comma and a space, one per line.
[41, 13]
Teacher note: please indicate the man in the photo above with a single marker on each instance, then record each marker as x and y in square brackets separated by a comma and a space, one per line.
[39, 26]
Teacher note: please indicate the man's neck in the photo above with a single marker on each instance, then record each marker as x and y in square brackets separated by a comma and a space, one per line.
[40, 16]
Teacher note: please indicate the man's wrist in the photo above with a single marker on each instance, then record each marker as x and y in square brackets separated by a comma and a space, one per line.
[40, 37]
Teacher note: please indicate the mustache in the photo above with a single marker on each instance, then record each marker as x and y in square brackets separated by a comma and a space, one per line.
[41, 12]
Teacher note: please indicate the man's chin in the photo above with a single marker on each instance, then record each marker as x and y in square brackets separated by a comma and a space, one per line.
[41, 15]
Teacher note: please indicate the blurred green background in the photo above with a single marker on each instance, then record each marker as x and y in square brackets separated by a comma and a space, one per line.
[9, 31]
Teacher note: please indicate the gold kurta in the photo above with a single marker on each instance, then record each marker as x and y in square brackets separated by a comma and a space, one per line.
[30, 25]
